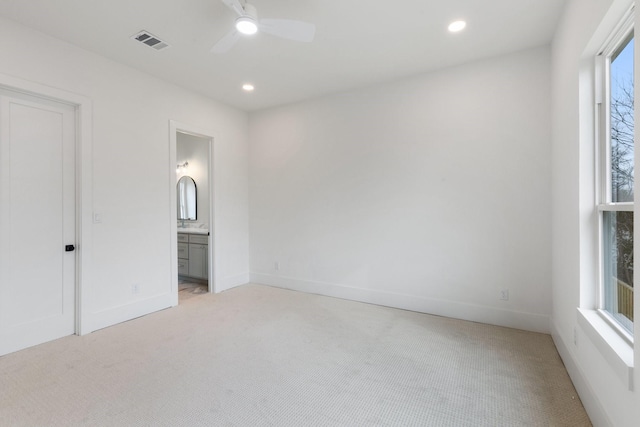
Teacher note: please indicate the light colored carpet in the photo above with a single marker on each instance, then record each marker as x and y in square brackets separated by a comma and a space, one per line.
[260, 356]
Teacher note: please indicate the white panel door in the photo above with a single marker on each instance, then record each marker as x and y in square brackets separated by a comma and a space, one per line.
[37, 220]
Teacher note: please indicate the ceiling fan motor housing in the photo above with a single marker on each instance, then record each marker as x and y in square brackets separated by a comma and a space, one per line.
[250, 10]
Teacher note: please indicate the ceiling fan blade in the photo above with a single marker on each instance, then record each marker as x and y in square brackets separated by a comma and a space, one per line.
[227, 42]
[289, 29]
[235, 6]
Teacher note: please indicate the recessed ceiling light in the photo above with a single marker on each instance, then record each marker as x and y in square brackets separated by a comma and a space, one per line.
[456, 26]
[248, 87]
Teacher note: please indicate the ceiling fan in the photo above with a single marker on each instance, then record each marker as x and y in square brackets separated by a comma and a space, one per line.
[248, 23]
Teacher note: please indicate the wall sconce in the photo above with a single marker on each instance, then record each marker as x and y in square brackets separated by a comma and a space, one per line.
[185, 165]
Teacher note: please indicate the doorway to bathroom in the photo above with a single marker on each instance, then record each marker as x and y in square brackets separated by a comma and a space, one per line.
[192, 214]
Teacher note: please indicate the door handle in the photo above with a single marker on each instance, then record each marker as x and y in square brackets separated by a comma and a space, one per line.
[69, 248]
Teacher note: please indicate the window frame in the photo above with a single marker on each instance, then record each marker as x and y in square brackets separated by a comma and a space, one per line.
[603, 189]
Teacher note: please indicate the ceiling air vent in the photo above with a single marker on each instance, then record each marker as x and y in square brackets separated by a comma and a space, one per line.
[150, 40]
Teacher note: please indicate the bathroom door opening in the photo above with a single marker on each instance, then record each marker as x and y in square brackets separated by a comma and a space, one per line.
[192, 215]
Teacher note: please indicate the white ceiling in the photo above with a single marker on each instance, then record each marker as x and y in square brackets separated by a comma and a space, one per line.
[358, 42]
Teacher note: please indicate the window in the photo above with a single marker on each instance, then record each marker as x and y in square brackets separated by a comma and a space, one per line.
[615, 198]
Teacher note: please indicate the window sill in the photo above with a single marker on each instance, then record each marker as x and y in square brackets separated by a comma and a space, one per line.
[617, 351]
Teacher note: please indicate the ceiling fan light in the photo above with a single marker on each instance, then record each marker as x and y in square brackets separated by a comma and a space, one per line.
[246, 25]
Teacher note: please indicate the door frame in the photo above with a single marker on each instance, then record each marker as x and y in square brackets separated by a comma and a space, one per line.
[84, 184]
[176, 127]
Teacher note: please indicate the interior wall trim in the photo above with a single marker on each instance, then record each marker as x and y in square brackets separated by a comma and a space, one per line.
[592, 405]
[114, 315]
[213, 252]
[454, 309]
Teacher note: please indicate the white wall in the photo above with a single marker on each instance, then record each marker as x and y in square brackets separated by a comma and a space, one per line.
[604, 392]
[430, 193]
[195, 151]
[131, 172]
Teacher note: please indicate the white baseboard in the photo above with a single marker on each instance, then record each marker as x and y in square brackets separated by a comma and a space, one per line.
[114, 315]
[458, 310]
[227, 283]
[591, 404]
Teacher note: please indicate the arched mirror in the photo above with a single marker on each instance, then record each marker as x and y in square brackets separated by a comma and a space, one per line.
[186, 197]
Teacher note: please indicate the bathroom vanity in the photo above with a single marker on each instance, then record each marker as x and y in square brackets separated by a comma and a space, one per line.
[193, 250]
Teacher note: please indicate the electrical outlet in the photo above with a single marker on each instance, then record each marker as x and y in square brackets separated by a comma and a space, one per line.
[135, 288]
[504, 295]
[276, 266]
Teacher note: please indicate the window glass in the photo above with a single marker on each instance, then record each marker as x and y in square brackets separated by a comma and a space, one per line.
[618, 266]
[621, 121]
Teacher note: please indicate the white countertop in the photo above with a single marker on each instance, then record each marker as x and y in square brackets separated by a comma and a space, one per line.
[193, 230]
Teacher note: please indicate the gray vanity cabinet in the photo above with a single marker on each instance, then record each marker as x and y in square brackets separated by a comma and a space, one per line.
[193, 259]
